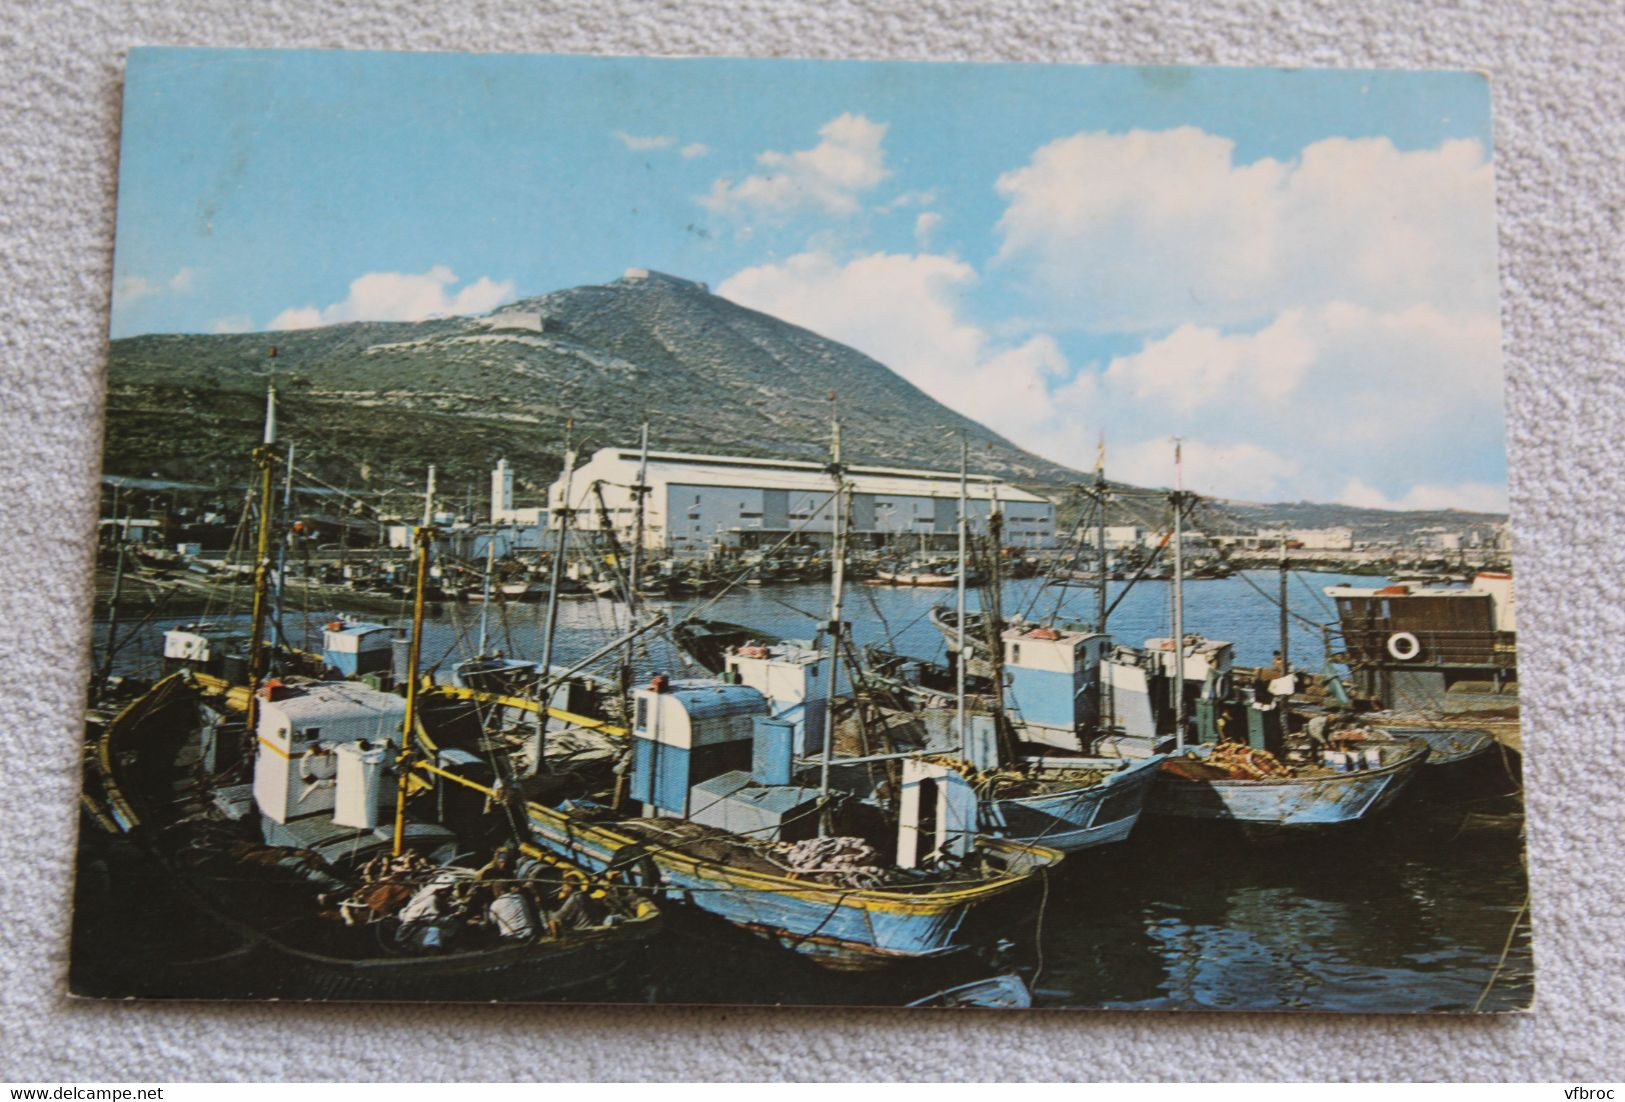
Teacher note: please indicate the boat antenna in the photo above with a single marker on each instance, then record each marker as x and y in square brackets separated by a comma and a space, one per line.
[485, 592]
[120, 535]
[837, 585]
[640, 491]
[1178, 680]
[422, 538]
[1285, 605]
[265, 457]
[993, 618]
[282, 550]
[960, 651]
[1100, 535]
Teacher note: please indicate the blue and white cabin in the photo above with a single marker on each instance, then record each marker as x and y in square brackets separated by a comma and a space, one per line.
[355, 647]
[1134, 706]
[687, 732]
[795, 681]
[937, 814]
[1054, 682]
[1207, 666]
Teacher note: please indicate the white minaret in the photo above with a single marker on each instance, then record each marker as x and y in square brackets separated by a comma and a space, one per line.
[501, 492]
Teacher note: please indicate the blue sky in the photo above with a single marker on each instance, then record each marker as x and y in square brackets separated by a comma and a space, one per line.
[1294, 271]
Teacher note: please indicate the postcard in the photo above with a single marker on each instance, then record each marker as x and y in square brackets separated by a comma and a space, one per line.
[606, 529]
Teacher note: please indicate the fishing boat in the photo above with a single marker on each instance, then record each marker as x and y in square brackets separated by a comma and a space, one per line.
[714, 808]
[708, 642]
[1042, 677]
[1439, 650]
[710, 811]
[930, 575]
[1247, 765]
[314, 822]
[309, 916]
[824, 914]
[1232, 782]
[1447, 746]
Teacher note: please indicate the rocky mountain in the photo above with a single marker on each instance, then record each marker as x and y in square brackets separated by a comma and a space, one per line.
[369, 405]
[372, 404]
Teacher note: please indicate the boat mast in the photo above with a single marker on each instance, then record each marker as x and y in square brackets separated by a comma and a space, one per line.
[422, 538]
[837, 586]
[1178, 500]
[265, 457]
[485, 593]
[282, 550]
[118, 586]
[563, 513]
[1285, 659]
[959, 606]
[635, 562]
[993, 618]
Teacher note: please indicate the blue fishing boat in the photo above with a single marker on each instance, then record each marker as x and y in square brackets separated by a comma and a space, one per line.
[1447, 746]
[1210, 781]
[831, 920]
[731, 822]
[725, 828]
[1079, 803]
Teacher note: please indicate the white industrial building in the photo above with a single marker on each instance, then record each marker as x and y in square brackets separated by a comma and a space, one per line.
[697, 503]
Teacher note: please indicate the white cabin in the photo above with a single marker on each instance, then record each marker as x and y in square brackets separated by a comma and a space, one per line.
[307, 761]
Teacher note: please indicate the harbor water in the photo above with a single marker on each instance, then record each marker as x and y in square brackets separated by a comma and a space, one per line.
[1422, 910]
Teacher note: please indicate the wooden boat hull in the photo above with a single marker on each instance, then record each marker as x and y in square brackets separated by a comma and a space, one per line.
[1077, 818]
[838, 927]
[922, 581]
[126, 789]
[1293, 803]
[708, 641]
[1447, 746]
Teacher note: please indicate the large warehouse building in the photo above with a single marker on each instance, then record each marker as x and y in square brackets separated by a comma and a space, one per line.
[697, 503]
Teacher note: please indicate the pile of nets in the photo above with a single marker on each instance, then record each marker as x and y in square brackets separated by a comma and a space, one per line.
[1246, 764]
[847, 862]
[1010, 784]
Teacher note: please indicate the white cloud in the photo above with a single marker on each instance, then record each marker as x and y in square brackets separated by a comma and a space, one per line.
[904, 311]
[401, 296]
[131, 289]
[694, 149]
[847, 162]
[640, 145]
[240, 323]
[1146, 230]
[924, 226]
[1238, 470]
[1395, 396]
[907, 199]
[1194, 367]
[1477, 497]
[299, 317]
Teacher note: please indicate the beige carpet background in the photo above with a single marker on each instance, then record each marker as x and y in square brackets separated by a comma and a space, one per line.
[1560, 134]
